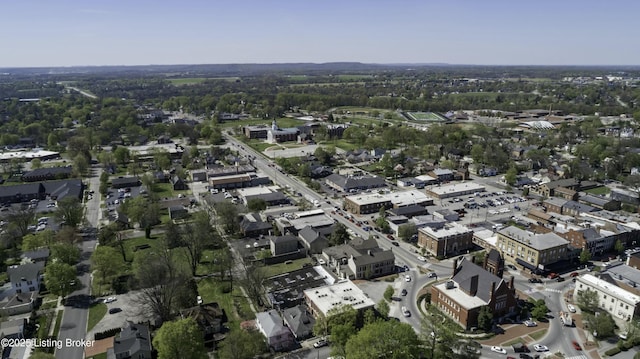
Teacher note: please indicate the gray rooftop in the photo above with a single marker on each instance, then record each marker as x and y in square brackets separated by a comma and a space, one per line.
[535, 241]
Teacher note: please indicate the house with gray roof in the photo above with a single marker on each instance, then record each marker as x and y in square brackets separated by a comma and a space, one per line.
[280, 245]
[360, 259]
[470, 288]
[573, 208]
[599, 202]
[252, 225]
[36, 255]
[270, 324]
[313, 239]
[133, 341]
[299, 321]
[26, 277]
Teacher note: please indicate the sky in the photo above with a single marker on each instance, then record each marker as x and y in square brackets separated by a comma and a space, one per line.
[44, 33]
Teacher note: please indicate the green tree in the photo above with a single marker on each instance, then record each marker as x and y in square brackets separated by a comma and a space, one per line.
[585, 256]
[383, 308]
[242, 344]
[256, 205]
[66, 253]
[121, 155]
[539, 310]
[406, 231]
[587, 300]
[80, 165]
[70, 210]
[485, 319]
[107, 263]
[511, 176]
[339, 235]
[59, 278]
[38, 240]
[618, 246]
[196, 236]
[228, 216]
[602, 324]
[36, 163]
[388, 293]
[180, 339]
[384, 339]
[41, 355]
[440, 336]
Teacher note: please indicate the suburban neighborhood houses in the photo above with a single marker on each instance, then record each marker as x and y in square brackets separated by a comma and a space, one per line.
[237, 225]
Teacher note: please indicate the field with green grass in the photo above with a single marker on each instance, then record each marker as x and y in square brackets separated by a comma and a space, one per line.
[187, 81]
[282, 122]
[275, 269]
[232, 300]
[96, 313]
[604, 190]
[426, 116]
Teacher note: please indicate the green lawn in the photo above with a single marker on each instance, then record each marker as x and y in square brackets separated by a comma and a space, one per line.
[258, 145]
[282, 122]
[56, 329]
[538, 334]
[275, 269]
[599, 190]
[96, 313]
[131, 244]
[343, 144]
[44, 322]
[234, 303]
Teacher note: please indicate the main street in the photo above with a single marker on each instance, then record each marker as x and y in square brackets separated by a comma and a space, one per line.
[76, 312]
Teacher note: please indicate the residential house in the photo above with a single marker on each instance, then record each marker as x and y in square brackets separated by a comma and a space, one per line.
[448, 241]
[279, 336]
[299, 321]
[625, 196]
[133, 342]
[252, 225]
[360, 259]
[26, 277]
[161, 177]
[210, 318]
[178, 184]
[36, 255]
[13, 329]
[471, 288]
[19, 303]
[617, 301]
[280, 245]
[442, 174]
[314, 239]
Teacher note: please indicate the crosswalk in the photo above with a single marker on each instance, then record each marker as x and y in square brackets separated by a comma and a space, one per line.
[577, 357]
[553, 290]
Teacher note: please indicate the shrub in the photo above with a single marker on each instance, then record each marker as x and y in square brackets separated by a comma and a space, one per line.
[613, 351]
[106, 334]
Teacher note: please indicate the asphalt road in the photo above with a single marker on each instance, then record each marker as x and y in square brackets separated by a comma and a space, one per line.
[76, 313]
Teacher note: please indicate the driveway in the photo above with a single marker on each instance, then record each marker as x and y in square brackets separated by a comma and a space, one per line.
[130, 311]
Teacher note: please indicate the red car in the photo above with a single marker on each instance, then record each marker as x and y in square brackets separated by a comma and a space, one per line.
[552, 275]
[390, 236]
[574, 274]
[576, 345]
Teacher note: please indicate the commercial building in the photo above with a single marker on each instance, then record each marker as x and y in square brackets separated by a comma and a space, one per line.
[372, 202]
[616, 301]
[322, 299]
[259, 131]
[455, 190]
[353, 183]
[360, 259]
[450, 240]
[531, 250]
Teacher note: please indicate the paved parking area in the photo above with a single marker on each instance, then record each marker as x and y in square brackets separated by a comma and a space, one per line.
[130, 311]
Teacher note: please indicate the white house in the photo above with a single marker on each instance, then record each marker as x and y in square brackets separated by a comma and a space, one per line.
[26, 277]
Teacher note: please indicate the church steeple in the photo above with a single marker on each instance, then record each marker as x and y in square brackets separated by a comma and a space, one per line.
[274, 125]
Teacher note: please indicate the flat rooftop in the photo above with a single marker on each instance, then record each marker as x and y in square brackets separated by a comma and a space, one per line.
[399, 198]
[607, 287]
[450, 229]
[458, 295]
[340, 293]
[452, 189]
[533, 240]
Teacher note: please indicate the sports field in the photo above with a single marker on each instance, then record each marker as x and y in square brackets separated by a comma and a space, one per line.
[426, 117]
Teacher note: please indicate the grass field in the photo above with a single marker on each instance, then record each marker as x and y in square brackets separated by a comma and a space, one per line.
[187, 81]
[599, 190]
[538, 334]
[343, 144]
[56, 328]
[426, 116]
[234, 303]
[96, 313]
[275, 269]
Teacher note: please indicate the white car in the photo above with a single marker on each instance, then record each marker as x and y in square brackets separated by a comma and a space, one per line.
[199, 300]
[321, 262]
[530, 323]
[571, 308]
[540, 348]
[500, 350]
[406, 312]
[407, 278]
[422, 259]
[110, 299]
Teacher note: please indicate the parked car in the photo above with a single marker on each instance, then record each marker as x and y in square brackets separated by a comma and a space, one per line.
[432, 275]
[540, 348]
[571, 308]
[497, 349]
[406, 312]
[560, 279]
[535, 280]
[552, 275]
[395, 244]
[110, 299]
[320, 343]
[576, 345]
[407, 278]
[530, 323]
[404, 292]
[574, 274]
[114, 310]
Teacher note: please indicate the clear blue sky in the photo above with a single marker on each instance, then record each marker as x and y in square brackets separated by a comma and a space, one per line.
[488, 32]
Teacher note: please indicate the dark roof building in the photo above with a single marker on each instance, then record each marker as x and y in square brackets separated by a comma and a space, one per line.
[210, 318]
[133, 341]
[350, 183]
[299, 321]
[122, 182]
[46, 174]
[408, 211]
